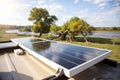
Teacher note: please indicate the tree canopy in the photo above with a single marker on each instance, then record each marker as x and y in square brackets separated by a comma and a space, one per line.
[42, 20]
[76, 26]
[54, 29]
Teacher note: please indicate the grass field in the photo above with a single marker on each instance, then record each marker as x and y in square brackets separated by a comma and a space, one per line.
[5, 36]
[112, 44]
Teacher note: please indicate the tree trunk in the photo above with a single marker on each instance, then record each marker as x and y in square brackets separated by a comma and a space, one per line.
[71, 36]
[59, 34]
[85, 38]
[40, 34]
[63, 35]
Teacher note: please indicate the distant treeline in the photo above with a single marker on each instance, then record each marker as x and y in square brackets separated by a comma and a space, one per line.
[28, 28]
[20, 27]
[107, 28]
[2, 26]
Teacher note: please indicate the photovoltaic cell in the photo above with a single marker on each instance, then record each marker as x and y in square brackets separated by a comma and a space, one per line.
[65, 55]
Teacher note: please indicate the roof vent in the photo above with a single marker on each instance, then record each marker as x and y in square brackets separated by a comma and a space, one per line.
[18, 51]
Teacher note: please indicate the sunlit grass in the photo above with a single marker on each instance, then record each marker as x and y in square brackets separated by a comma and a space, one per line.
[7, 36]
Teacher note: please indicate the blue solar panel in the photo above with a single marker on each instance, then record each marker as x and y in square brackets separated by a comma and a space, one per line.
[65, 55]
[72, 58]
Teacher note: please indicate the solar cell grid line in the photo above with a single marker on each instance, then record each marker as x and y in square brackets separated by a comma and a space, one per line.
[66, 63]
[61, 53]
[70, 57]
[68, 60]
[38, 47]
[73, 58]
[59, 57]
[62, 62]
[67, 50]
[70, 53]
[42, 42]
[39, 44]
[83, 53]
[42, 45]
[76, 48]
[90, 49]
[92, 54]
[77, 61]
[82, 48]
[66, 53]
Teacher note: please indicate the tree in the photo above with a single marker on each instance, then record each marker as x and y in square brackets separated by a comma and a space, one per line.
[74, 27]
[116, 28]
[54, 29]
[41, 20]
[86, 30]
[25, 28]
[71, 28]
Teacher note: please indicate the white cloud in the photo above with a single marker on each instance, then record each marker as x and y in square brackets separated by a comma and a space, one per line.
[76, 1]
[82, 13]
[52, 0]
[63, 18]
[117, 2]
[53, 8]
[105, 19]
[13, 11]
[100, 3]
[41, 1]
[17, 11]
[32, 1]
[114, 12]
[87, 0]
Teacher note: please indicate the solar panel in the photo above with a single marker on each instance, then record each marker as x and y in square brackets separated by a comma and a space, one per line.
[72, 58]
[26, 40]
[7, 45]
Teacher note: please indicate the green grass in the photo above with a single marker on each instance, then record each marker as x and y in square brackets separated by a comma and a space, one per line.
[99, 40]
[46, 36]
[5, 36]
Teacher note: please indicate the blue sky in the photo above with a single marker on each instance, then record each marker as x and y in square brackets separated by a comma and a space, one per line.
[98, 13]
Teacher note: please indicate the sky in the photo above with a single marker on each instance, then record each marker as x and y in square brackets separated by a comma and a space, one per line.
[98, 13]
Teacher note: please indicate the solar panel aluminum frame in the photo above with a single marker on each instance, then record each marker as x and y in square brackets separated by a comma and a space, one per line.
[68, 72]
[87, 64]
